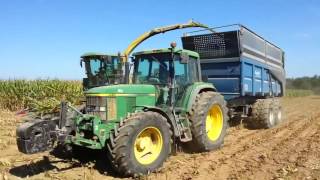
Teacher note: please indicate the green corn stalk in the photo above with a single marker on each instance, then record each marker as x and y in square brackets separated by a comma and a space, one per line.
[40, 95]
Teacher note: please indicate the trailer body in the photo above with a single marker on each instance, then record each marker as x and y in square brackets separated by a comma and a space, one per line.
[242, 65]
[239, 63]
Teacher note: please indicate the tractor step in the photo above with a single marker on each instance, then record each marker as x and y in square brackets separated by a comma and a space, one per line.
[186, 135]
[185, 131]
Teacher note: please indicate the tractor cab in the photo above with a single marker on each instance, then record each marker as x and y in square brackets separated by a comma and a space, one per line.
[170, 70]
[101, 69]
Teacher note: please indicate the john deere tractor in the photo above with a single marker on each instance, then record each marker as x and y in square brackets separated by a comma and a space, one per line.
[138, 124]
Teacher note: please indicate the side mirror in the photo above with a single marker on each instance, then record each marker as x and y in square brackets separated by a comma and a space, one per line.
[184, 58]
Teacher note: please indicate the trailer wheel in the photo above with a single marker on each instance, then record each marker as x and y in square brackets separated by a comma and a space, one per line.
[263, 114]
[141, 144]
[209, 122]
[278, 111]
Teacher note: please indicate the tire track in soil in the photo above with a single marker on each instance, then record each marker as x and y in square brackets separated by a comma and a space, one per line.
[247, 154]
[229, 165]
[291, 158]
[296, 128]
[276, 154]
[252, 157]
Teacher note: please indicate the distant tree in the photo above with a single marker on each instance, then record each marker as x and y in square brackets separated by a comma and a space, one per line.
[307, 83]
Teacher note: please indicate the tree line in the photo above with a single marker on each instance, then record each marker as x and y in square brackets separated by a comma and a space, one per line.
[306, 83]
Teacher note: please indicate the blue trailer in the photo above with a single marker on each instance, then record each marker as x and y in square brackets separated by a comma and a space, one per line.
[244, 67]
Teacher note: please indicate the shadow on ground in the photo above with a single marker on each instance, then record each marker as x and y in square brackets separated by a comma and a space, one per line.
[81, 157]
[84, 157]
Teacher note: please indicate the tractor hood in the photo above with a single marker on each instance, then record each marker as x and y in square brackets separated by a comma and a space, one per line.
[122, 90]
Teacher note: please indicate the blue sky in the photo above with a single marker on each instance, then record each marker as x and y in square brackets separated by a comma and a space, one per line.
[44, 39]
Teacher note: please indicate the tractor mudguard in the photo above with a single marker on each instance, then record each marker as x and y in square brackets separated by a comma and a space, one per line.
[37, 135]
[195, 90]
[164, 114]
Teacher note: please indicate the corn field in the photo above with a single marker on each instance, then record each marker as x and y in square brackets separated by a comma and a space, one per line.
[38, 95]
[298, 93]
[44, 96]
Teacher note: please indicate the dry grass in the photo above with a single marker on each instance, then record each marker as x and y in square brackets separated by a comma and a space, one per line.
[8, 123]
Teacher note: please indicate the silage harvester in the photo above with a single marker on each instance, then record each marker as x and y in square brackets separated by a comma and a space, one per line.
[138, 122]
[167, 103]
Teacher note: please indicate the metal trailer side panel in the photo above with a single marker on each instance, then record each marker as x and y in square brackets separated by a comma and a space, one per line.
[261, 62]
[258, 49]
[245, 77]
[225, 76]
[257, 80]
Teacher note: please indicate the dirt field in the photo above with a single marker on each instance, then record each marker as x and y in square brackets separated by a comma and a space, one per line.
[289, 151]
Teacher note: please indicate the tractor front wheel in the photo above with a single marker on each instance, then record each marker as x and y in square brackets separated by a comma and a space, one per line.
[141, 144]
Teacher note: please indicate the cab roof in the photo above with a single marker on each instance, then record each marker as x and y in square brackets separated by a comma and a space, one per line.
[88, 54]
[167, 50]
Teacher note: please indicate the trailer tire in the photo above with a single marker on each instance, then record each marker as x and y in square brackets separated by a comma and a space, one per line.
[138, 134]
[263, 114]
[209, 122]
[278, 111]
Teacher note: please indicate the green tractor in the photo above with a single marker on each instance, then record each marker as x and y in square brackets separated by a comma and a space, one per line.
[140, 124]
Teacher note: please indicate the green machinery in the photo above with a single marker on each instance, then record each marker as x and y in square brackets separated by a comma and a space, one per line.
[139, 124]
[105, 69]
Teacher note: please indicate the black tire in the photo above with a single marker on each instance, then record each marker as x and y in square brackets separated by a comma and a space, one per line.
[263, 114]
[278, 111]
[79, 152]
[203, 103]
[122, 141]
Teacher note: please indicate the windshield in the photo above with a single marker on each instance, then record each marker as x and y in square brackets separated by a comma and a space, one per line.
[101, 66]
[152, 69]
[102, 70]
[155, 69]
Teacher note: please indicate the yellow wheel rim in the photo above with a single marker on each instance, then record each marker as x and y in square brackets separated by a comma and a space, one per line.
[214, 122]
[148, 145]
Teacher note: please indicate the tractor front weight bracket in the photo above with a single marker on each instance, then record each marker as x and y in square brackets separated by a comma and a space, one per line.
[38, 135]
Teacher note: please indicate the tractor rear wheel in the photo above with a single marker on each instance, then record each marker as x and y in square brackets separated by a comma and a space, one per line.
[140, 144]
[209, 122]
[263, 114]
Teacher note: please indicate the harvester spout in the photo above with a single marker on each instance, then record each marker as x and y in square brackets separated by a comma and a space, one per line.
[156, 31]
